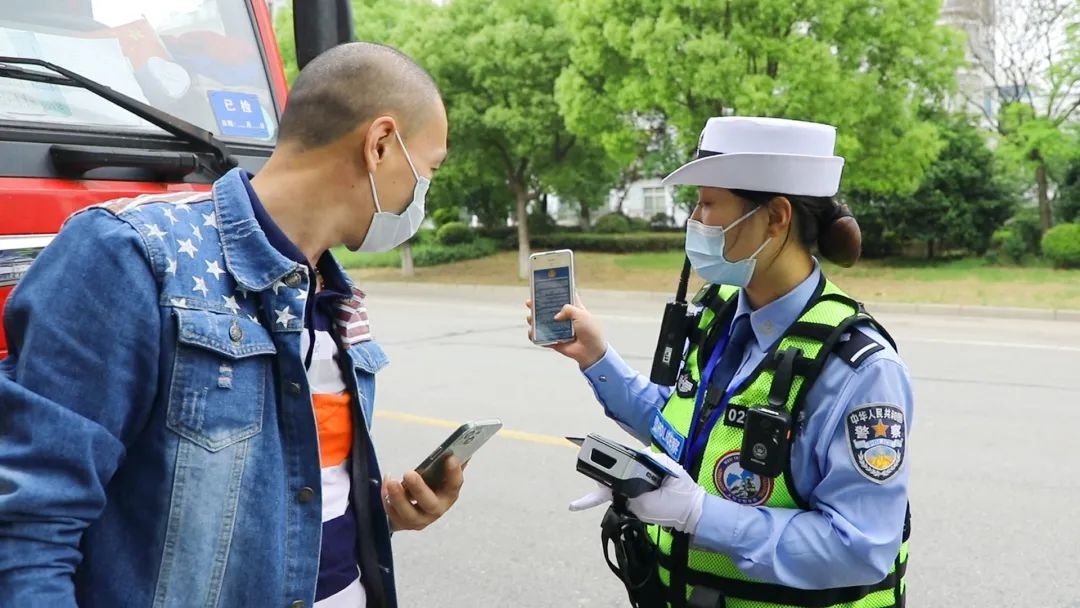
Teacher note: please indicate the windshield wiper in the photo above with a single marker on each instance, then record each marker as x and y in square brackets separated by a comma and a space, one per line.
[202, 139]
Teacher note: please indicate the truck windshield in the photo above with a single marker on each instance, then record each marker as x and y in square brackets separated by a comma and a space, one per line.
[195, 59]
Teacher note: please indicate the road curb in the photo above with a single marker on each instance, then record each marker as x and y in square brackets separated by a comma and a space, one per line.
[940, 310]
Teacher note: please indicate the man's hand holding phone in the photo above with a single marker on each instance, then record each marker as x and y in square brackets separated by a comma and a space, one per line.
[412, 505]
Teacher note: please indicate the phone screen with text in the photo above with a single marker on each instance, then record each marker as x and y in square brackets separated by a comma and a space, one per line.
[551, 292]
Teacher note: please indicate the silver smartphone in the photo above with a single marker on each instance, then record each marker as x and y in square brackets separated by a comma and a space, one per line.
[551, 283]
[462, 443]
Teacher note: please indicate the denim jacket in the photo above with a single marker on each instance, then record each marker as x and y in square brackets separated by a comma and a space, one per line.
[157, 440]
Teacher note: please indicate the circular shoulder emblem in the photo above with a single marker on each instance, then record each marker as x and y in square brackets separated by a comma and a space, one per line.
[740, 486]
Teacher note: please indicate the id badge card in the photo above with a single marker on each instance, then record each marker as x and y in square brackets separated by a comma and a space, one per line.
[670, 440]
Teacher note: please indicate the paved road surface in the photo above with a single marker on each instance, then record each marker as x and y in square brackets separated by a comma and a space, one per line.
[995, 452]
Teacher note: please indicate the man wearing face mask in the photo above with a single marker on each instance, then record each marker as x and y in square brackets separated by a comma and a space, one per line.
[187, 403]
[787, 427]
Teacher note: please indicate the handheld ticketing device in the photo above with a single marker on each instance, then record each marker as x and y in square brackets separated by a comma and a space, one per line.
[674, 330]
[628, 472]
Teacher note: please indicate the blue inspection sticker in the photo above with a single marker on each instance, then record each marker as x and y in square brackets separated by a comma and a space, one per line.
[665, 436]
[238, 114]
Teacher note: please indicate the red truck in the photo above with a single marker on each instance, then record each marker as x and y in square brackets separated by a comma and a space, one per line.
[102, 99]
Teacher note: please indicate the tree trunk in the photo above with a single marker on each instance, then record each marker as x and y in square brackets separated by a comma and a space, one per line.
[624, 193]
[1046, 220]
[522, 230]
[407, 269]
[584, 213]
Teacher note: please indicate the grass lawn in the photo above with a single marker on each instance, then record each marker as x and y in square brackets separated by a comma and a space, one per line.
[355, 259]
[955, 282]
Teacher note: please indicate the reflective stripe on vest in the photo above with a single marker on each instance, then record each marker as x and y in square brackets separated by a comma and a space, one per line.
[826, 317]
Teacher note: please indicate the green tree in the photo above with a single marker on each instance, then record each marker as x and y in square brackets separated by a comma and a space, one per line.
[962, 200]
[1035, 67]
[399, 23]
[1067, 205]
[497, 64]
[584, 179]
[466, 181]
[863, 65]
[286, 42]
[390, 22]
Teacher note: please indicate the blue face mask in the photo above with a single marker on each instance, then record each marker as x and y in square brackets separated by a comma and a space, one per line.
[705, 248]
[388, 230]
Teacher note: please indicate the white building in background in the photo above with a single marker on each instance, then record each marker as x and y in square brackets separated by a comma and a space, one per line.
[644, 199]
[976, 91]
[647, 198]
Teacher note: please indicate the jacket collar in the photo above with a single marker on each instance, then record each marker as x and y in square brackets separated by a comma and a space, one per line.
[249, 257]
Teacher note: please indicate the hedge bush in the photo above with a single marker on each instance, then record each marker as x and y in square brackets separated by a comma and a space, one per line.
[444, 216]
[1025, 224]
[433, 255]
[424, 236]
[1007, 245]
[541, 223]
[505, 236]
[612, 223]
[662, 221]
[639, 225]
[612, 243]
[1061, 245]
[455, 233]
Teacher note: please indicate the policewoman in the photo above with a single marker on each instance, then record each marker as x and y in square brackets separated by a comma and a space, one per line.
[812, 509]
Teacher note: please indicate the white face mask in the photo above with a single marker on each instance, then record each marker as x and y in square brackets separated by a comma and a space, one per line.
[705, 247]
[388, 230]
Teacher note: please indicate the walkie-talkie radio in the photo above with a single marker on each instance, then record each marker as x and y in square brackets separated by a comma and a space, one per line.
[674, 330]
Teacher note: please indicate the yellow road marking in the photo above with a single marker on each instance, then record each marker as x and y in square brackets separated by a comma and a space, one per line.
[450, 424]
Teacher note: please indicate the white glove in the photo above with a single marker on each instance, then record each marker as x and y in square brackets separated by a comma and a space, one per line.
[595, 498]
[677, 503]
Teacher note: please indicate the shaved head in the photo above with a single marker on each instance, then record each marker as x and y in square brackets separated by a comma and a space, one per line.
[351, 84]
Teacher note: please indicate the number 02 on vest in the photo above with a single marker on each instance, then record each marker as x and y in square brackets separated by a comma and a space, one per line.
[551, 282]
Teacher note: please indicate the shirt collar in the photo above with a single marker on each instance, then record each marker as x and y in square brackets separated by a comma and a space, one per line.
[771, 321]
[335, 280]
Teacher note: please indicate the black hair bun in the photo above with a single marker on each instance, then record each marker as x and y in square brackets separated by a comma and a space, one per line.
[840, 238]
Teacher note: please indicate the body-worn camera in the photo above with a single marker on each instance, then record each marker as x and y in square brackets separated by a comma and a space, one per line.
[768, 430]
[766, 437]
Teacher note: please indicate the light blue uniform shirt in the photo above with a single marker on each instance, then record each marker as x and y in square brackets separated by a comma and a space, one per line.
[853, 531]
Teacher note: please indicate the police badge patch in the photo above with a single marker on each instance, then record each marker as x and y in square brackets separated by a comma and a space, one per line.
[685, 386]
[876, 437]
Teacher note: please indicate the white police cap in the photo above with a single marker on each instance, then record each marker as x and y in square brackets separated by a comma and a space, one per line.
[764, 155]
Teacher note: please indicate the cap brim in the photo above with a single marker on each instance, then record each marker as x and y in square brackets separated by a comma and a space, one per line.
[781, 173]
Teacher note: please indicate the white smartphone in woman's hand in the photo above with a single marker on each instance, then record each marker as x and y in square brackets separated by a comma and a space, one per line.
[551, 282]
